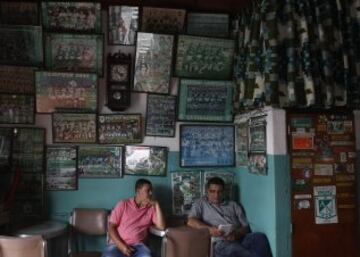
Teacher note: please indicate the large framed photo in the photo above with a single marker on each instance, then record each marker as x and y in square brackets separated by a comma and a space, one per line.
[122, 24]
[23, 45]
[208, 24]
[28, 149]
[19, 13]
[203, 57]
[226, 176]
[6, 135]
[186, 188]
[61, 164]
[17, 109]
[72, 16]
[153, 61]
[120, 128]
[17, 79]
[160, 115]
[74, 52]
[162, 20]
[74, 127]
[207, 145]
[145, 160]
[205, 100]
[60, 91]
[100, 161]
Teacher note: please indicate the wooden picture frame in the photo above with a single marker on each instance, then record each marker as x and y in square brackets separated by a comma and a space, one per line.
[17, 109]
[208, 24]
[120, 128]
[24, 45]
[96, 161]
[123, 23]
[66, 91]
[207, 145]
[61, 167]
[204, 57]
[160, 115]
[153, 60]
[17, 79]
[205, 100]
[74, 127]
[19, 13]
[74, 52]
[145, 160]
[60, 16]
[162, 20]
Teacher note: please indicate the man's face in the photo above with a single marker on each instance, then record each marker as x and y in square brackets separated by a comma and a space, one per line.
[215, 193]
[144, 192]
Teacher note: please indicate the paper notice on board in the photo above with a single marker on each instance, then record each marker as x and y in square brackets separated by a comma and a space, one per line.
[325, 204]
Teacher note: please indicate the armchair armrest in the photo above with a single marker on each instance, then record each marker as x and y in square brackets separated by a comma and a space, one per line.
[157, 232]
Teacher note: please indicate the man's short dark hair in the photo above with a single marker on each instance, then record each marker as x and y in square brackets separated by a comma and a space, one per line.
[215, 181]
[141, 182]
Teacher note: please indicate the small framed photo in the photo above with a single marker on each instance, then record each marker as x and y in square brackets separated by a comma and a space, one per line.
[120, 128]
[257, 134]
[65, 91]
[145, 160]
[17, 79]
[6, 136]
[123, 22]
[205, 100]
[153, 61]
[203, 57]
[207, 146]
[17, 109]
[162, 20]
[82, 17]
[61, 165]
[160, 115]
[74, 52]
[258, 163]
[241, 144]
[208, 24]
[19, 13]
[100, 161]
[24, 45]
[74, 127]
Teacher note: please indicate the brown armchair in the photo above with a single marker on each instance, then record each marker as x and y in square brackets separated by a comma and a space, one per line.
[33, 246]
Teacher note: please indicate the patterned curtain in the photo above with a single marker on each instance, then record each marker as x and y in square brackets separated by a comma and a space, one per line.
[299, 53]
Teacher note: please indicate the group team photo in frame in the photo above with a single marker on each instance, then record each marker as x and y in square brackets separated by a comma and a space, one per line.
[145, 160]
[56, 91]
[17, 109]
[119, 128]
[205, 100]
[207, 145]
[96, 161]
[74, 52]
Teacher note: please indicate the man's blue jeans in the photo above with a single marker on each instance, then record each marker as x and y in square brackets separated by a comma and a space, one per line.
[112, 251]
[252, 245]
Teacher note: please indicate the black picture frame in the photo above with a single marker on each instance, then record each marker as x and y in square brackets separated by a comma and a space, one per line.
[17, 109]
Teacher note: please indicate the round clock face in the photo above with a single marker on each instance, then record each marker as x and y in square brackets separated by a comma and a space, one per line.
[119, 73]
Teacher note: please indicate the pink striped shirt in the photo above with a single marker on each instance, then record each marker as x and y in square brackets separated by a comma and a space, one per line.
[132, 222]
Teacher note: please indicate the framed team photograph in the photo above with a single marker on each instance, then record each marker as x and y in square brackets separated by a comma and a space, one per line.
[162, 20]
[205, 100]
[66, 91]
[160, 115]
[96, 161]
[84, 17]
[123, 23]
[120, 128]
[19, 13]
[23, 47]
[207, 24]
[204, 57]
[153, 60]
[17, 79]
[61, 165]
[145, 160]
[17, 109]
[74, 127]
[207, 145]
[74, 52]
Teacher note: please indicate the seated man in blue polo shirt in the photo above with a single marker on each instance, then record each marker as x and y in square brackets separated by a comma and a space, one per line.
[227, 222]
